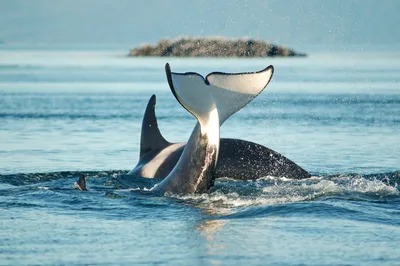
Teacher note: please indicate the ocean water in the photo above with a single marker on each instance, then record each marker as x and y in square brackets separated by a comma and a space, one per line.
[67, 113]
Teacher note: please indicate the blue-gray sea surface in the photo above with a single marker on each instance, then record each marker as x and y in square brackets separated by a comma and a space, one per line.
[67, 113]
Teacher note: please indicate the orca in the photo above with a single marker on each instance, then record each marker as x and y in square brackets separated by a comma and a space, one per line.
[211, 100]
[238, 159]
[80, 184]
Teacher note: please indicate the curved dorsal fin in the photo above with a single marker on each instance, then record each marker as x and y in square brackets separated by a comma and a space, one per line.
[151, 138]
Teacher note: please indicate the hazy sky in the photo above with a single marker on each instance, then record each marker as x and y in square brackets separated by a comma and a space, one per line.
[291, 22]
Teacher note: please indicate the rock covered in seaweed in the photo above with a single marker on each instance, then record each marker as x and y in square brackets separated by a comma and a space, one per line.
[213, 47]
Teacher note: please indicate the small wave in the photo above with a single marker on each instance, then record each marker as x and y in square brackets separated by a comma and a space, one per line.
[325, 119]
[273, 190]
[20, 179]
[293, 209]
[115, 194]
[219, 199]
[76, 116]
[71, 116]
[225, 194]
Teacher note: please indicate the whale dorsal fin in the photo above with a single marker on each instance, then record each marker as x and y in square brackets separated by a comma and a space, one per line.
[80, 184]
[151, 138]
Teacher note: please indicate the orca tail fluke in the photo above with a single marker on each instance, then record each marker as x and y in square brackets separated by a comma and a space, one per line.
[190, 92]
[211, 101]
[226, 91]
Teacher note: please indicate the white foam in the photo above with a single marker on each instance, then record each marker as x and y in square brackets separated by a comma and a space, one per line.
[283, 190]
[222, 200]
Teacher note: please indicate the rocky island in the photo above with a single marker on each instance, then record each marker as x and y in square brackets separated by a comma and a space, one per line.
[213, 47]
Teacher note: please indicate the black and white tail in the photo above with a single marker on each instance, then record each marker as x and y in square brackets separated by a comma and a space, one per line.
[228, 92]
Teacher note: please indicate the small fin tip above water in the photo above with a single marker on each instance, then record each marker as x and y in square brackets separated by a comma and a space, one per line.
[80, 184]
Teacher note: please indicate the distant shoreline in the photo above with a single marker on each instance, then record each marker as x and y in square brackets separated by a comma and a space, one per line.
[214, 47]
